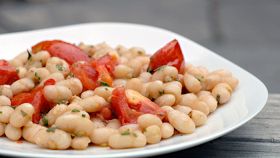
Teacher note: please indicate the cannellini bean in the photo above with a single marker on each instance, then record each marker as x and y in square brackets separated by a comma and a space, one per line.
[174, 88]
[144, 90]
[22, 85]
[210, 101]
[21, 71]
[200, 106]
[72, 106]
[136, 65]
[6, 91]
[20, 59]
[127, 140]
[134, 84]
[53, 138]
[78, 112]
[114, 123]
[184, 109]
[146, 120]
[145, 77]
[202, 93]
[119, 83]
[30, 131]
[101, 136]
[136, 51]
[55, 64]
[155, 89]
[75, 99]
[93, 104]
[57, 93]
[78, 125]
[129, 127]
[188, 99]
[2, 129]
[222, 93]
[181, 122]
[74, 84]
[165, 73]
[167, 108]
[54, 113]
[87, 93]
[191, 83]
[104, 92]
[222, 73]
[97, 123]
[232, 81]
[198, 72]
[166, 100]
[5, 113]
[80, 143]
[198, 117]
[4, 100]
[57, 76]
[166, 130]
[211, 81]
[123, 71]
[37, 74]
[41, 56]
[153, 134]
[31, 64]
[22, 115]
[12, 132]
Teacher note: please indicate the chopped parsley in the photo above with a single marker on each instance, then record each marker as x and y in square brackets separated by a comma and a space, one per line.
[29, 55]
[149, 70]
[83, 115]
[161, 92]
[106, 89]
[62, 102]
[59, 67]
[75, 110]
[23, 113]
[199, 78]
[45, 121]
[1, 112]
[17, 70]
[134, 134]
[125, 133]
[51, 129]
[104, 84]
[37, 76]
[71, 75]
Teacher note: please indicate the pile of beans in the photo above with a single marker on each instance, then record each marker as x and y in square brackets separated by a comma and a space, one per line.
[188, 98]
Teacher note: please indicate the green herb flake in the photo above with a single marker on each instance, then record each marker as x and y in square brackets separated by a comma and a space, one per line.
[106, 89]
[71, 75]
[17, 70]
[45, 121]
[51, 129]
[134, 134]
[161, 92]
[218, 98]
[104, 84]
[199, 78]
[1, 112]
[75, 110]
[29, 55]
[62, 102]
[59, 67]
[37, 76]
[125, 133]
[23, 113]
[83, 115]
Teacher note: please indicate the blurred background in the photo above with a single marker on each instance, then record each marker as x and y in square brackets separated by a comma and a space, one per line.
[246, 32]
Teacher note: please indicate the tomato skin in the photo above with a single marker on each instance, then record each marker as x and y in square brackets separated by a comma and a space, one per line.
[171, 54]
[21, 98]
[8, 73]
[148, 107]
[86, 74]
[69, 52]
[106, 113]
[120, 105]
[108, 61]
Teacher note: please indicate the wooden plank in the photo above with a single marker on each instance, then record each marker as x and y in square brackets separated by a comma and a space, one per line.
[260, 137]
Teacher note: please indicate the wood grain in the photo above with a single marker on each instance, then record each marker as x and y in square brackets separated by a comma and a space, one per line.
[260, 137]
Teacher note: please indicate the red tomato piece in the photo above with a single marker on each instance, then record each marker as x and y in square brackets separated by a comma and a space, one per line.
[21, 98]
[104, 76]
[108, 61]
[120, 106]
[148, 107]
[8, 73]
[63, 50]
[171, 54]
[86, 73]
[106, 113]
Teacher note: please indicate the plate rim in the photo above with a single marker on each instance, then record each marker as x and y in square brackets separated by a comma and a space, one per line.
[159, 150]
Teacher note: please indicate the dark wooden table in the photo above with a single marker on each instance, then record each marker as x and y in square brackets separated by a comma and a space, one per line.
[260, 137]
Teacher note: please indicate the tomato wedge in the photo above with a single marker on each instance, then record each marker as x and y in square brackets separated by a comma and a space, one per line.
[120, 105]
[86, 74]
[171, 54]
[36, 98]
[8, 73]
[61, 49]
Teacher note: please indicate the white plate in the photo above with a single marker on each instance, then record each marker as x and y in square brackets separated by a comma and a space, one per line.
[248, 99]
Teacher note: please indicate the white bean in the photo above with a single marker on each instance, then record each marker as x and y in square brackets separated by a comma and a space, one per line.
[221, 93]
[22, 115]
[37, 74]
[20, 59]
[6, 91]
[100, 136]
[165, 73]
[41, 56]
[188, 99]
[21, 71]
[57, 76]
[198, 117]
[12, 132]
[2, 129]
[22, 85]
[155, 89]
[210, 101]
[74, 84]
[104, 92]
[184, 109]
[145, 77]
[5, 113]
[93, 104]
[127, 140]
[147, 120]
[54, 113]
[174, 88]
[114, 123]
[30, 131]
[80, 143]
[57, 93]
[123, 71]
[191, 83]
[153, 134]
[4, 100]
[134, 84]
[119, 83]
[166, 130]
[200, 106]
[55, 64]
[166, 100]
[181, 122]
[87, 93]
